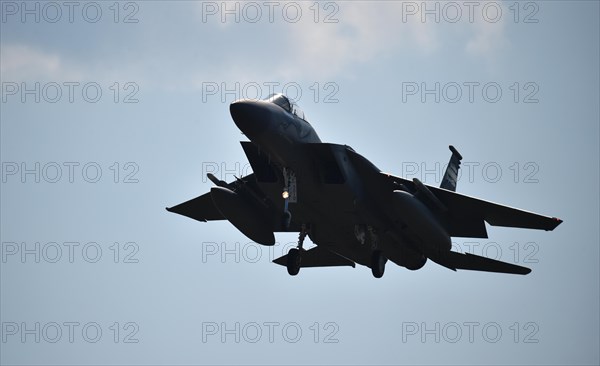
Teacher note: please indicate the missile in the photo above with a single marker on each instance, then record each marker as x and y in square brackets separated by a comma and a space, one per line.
[429, 196]
[217, 182]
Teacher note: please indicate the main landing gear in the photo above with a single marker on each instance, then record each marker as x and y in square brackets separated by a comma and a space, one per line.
[289, 196]
[294, 257]
[367, 235]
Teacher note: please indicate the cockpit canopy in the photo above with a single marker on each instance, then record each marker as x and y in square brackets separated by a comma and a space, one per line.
[287, 104]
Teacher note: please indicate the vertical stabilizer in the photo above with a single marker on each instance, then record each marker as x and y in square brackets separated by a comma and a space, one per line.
[451, 175]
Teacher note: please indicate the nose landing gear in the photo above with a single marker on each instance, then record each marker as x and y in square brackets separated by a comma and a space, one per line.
[288, 195]
[378, 261]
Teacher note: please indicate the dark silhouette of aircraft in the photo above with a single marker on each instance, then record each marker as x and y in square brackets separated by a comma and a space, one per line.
[352, 211]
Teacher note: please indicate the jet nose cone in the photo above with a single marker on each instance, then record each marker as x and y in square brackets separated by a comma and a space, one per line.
[252, 117]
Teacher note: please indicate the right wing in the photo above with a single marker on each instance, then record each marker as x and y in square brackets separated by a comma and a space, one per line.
[465, 215]
[466, 209]
[461, 215]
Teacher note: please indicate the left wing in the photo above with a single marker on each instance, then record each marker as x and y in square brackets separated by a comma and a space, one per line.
[202, 207]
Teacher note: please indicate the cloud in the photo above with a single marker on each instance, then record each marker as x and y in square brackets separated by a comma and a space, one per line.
[488, 41]
[320, 45]
[20, 62]
[179, 53]
[363, 33]
[24, 62]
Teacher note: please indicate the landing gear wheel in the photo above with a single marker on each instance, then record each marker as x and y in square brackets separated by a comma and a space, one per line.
[378, 264]
[293, 261]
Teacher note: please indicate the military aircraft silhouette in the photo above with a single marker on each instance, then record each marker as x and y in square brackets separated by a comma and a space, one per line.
[352, 211]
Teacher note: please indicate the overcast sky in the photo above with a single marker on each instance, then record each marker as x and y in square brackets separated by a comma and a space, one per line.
[111, 111]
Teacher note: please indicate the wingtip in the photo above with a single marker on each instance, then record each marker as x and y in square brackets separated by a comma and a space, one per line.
[556, 222]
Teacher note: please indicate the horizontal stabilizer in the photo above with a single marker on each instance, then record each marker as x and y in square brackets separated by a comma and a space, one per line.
[318, 257]
[455, 260]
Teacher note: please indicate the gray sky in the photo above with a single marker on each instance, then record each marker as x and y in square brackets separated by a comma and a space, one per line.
[112, 111]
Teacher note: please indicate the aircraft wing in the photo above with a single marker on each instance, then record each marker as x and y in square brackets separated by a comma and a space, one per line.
[318, 257]
[461, 215]
[202, 207]
[496, 214]
[465, 215]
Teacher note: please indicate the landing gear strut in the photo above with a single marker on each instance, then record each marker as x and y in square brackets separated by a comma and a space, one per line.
[294, 257]
[378, 261]
[289, 195]
[294, 260]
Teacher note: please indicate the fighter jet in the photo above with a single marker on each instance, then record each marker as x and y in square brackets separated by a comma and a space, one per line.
[350, 209]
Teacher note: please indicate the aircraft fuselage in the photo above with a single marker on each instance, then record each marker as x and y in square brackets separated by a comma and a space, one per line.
[282, 135]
